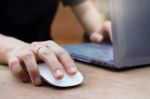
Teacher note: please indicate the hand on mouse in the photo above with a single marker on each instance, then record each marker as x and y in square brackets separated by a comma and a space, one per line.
[23, 60]
[103, 33]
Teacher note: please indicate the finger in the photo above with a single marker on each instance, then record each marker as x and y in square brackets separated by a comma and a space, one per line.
[35, 46]
[51, 60]
[96, 37]
[103, 33]
[17, 70]
[66, 60]
[29, 60]
[63, 57]
[108, 28]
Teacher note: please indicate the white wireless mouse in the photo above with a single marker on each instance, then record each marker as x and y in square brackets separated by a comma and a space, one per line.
[66, 81]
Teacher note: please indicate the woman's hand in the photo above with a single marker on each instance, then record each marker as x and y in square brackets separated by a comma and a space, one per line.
[23, 61]
[103, 33]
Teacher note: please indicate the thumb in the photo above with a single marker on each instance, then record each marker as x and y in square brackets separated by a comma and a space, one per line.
[96, 37]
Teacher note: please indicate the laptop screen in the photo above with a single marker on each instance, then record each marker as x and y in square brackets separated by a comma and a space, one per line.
[131, 31]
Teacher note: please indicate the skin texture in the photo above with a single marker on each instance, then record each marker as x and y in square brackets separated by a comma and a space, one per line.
[22, 57]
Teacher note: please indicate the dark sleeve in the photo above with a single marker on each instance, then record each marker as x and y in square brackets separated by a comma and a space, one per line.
[72, 2]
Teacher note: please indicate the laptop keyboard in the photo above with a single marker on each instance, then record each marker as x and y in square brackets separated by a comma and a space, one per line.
[93, 51]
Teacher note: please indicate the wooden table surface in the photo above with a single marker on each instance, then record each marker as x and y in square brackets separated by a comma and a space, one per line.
[98, 83]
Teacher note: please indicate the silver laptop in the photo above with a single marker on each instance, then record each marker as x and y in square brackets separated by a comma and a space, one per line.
[131, 38]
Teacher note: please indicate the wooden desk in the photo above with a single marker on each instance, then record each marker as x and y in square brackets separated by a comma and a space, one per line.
[98, 83]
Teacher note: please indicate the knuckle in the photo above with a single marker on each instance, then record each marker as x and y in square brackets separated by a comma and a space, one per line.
[56, 66]
[106, 24]
[60, 52]
[27, 55]
[13, 62]
[16, 70]
[34, 43]
[13, 65]
[44, 52]
[50, 42]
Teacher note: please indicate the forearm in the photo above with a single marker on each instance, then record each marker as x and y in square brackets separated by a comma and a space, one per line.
[8, 44]
[88, 16]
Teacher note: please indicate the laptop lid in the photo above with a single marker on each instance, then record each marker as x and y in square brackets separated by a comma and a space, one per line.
[131, 31]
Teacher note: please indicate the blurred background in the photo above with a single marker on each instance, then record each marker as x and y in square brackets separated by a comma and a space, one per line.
[66, 29]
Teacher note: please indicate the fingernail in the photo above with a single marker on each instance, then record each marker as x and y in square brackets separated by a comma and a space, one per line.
[59, 73]
[38, 81]
[73, 69]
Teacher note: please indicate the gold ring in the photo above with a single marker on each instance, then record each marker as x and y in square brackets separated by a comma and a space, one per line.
[39, 49]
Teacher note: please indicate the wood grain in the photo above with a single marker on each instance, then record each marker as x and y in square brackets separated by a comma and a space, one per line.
[98, 83]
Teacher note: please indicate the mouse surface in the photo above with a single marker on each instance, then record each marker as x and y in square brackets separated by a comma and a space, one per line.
[66, 81]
